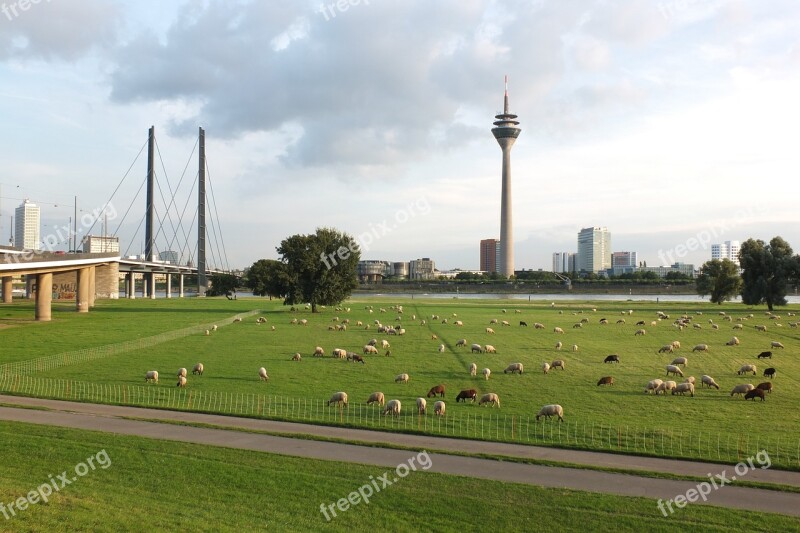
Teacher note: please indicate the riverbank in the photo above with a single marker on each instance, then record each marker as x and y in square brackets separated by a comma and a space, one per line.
[587, 288]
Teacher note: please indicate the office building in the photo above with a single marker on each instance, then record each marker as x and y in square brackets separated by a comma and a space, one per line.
[27, 225]
[594, 249]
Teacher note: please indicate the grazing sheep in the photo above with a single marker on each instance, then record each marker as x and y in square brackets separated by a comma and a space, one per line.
[491, 398]
[490, 331]
[558, 363]
[776, 344]
[262, 374]
[341, 353]
[468, 394]
[652, 385]
[461, 342]
[401, 378]
[766, 386]
[665, 386]
[742, 389]
[422, 406]
[373, 342]
[356, 358]
[760, 328]
[690, 379]
[489, 349]
[574, 347]
[700, 348]
[198, 369]
[611, 359]
[438, 390]
[392, 406]
[754, 393]
[476, 348]
[558, 330]
[181, 372]
[559, 345]
[296, 357]
[770, 372]
[338, 398]
[764, 355]
[376, 397]
[181, 382]
[745, 369]
[458, 323]
[640, 323]
[545, 368]
[513, 367]
[578, 325]
[672, 369]
[385, 344]
[304, 322]
[439, 408]
[493, 321]
[537, 325]
[680, 361]
[505, 323]
[486, 373]
[214, 327]
[237, 319]
[523, 323]
[208, 333]
[621, 321]
[640, 332]
[370, 349]
[676, 345]
[683, 388]
[473, 369]
[738, 326]
[733, 342]
[434, 337]
[441, 348]
[551, 410]
[259, 320]
[151, 375]
[709, 382]
[607, 380]
[668, 348]
[319, 352]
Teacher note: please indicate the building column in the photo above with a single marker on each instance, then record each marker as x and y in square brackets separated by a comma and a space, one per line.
[44, 296]
[92, 285]
[82, 295]
[130, 286]
[144, 285]
[8, 287]
[152, 280]
[169, 285]
[180, 285]
[29, 280]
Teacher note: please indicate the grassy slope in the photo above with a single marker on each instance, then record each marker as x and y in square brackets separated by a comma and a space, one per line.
[155, 484]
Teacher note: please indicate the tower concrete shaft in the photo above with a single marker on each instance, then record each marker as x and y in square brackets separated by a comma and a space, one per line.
[506, 131]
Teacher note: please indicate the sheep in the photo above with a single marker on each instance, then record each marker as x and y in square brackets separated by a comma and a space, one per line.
[339, 398]
[537, 325]
[376, 397]
[401, 378]
[668, 348]
[611, 359]
[355, 358]
[607, 380]
[441, 348]
[473, 369]
[304, 322]
[434, 337]
[640, 323]
[640, 332]
[388, 353]
[458, 323]
[486, 373]
[476, 348]
[574, 347]
[665, 386]
[513, 367]
[208, 333]
[214, 327]
[733, 342]
[370, 349]
[738, 326]
[422, 405]
[551, 410]
[262, 374]
[764, 355]
[709, 382]
[490, 331]
[690, 379]
[489, 349]
[392, 406]
[439, 408]
[754, 393]
[545, 368]
[745, 369]
[319, 352]
[505, 323]
[604, 321]
[770, 372]
[296, 357]
[182, 372]
[621, 321]
[491, 398]
[373, 342]
[776, 344]
[493, 321]
[436, 390]
[468, 394]
[578, 325]
[181, 382]
[683, 388]
[766, 386]
[680, 361]
[672, 369]
[461, 342]
[385, 344]
[198, 369]
[558, 330]
[676, 345]
[341, 353]
[742, 389]
[700, 348]
[259, 320]
[558, 363]
[559, 345]
[237, 319]
[652, 385]
[760, 328]
[151, 375]
[523, 323]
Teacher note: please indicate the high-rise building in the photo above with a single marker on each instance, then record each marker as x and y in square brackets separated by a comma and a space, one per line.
[623, 259]
[170, 256]
[422, 268]
[563, 262]
[594, 249]
[506, 130]
[27, 223]
[96, 244]
[727, 250]
[490, 254]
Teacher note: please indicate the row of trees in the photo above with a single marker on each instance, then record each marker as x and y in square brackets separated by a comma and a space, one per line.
[768, 271]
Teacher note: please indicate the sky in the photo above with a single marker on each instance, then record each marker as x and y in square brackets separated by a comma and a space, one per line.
[672, 123]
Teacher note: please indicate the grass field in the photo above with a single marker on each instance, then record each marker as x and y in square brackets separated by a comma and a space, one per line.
[150, 484]
[232, 355]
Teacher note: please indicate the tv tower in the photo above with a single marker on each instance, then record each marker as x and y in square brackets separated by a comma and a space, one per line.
[506, 130]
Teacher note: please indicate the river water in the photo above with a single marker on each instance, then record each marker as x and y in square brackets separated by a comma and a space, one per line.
[689, 298]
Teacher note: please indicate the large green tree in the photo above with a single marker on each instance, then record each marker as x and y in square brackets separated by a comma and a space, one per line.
[768, 270]
[223, 284]
[319, 269]
[720, 279]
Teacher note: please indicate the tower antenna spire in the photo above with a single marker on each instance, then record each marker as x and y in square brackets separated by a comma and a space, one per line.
[505, 96]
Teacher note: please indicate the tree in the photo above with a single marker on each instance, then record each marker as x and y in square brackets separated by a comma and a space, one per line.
[319, 269]
[268, 277]
[222, 284]
[720, 279]
[768, 269]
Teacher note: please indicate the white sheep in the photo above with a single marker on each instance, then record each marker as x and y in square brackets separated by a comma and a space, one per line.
[665, 386]
[742, 389]
[747, 368]
[676, 345]
[652, 385]
[151, 375]
[640, 332]
[385, 344]
[559, 345]
[760, 328]
[370, 349]
[558, 330]
[181, 382]
[458, 323]
[513, 367]
[538, 325]
[392, 406]
[341, 353]
[733, 342]
[182, 372]
[683, 388]
[439, 408]
[422, 406]
[476, 348]
[473, 369]
[338, 398]
[672, 369]
[551, 410]
[214, 327]
[486, 373]
[574, 347]
[490, 331]
[198, 369]
[690, 379]
[461, 342]
[489, 349]
[491, 398]
[545, 367]
[709, 382]
[319, 352]
[297, 357]
[262, 374]
[700, 348]
[776, 344]
[376, 397]
[680, 361]
[401, 378]
[441, 348]
[208, 333]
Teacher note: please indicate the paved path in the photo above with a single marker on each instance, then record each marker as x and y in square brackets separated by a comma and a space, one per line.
[107, 418]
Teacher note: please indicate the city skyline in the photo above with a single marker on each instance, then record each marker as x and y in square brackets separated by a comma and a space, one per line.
[658, 128]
